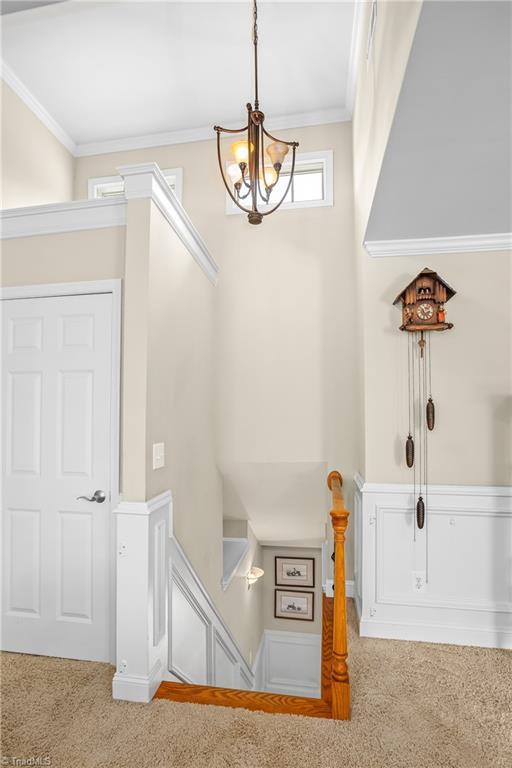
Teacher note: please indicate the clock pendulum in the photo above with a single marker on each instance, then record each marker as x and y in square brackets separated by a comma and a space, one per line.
[423, 310]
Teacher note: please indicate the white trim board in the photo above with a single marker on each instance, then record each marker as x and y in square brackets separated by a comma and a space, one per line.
[497, 637]
[427, 246]
[142, 181]
[95, 181]
[434, 490]
[54, 218]
[142, 596]
[146, 180]
[328, 588]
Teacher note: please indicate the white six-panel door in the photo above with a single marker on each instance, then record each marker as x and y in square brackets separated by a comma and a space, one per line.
[56, 392]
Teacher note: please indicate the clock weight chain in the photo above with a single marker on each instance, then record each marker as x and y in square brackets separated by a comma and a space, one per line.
[420, 504]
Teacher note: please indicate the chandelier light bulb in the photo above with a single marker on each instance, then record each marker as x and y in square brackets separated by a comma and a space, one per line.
[277, 151]
[268, 175]
[241, 150]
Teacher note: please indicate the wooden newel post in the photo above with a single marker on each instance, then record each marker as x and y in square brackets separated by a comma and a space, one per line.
[339, 673]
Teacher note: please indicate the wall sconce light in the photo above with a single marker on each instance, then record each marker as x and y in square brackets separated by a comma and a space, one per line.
[253, 575]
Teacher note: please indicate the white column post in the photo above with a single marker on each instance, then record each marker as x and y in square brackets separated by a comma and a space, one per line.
[141, 627]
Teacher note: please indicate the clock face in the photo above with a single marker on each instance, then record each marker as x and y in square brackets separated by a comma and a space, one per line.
[425, 311]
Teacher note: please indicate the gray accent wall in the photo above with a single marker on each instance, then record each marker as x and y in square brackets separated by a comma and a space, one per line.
[447, 168]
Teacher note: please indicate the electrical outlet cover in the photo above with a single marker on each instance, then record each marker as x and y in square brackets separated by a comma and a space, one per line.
[419, 583]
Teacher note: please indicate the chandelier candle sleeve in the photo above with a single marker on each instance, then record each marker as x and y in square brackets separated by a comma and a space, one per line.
[252, 177]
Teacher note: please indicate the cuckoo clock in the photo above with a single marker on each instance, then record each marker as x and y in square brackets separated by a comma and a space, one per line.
[423, 310]
[423, 303]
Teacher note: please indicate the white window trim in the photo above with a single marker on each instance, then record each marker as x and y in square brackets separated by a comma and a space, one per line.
[92, 183]
[302, 158]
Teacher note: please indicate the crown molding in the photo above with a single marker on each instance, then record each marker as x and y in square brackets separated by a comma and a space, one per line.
[206, 133]
[185, 136]
[37, 108]
[146, 181]
[353, 61]
[426, 246]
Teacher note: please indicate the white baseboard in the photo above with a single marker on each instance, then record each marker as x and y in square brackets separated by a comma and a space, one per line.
[329, 591]
[432, 633]
[137, 687]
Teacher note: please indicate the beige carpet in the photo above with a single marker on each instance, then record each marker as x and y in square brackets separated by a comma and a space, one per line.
[414, 705]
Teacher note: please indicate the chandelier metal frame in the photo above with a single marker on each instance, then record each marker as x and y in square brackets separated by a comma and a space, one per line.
[256, 179]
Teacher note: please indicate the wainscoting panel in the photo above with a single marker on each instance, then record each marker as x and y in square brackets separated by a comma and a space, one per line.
[189, 640]
[202, 649]
[226, 671]
[289, 663]
[450, 582]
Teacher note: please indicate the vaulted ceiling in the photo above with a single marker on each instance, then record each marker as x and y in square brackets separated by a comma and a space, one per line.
[113, 70]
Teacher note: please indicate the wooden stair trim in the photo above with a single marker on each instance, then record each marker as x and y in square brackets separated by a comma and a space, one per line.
[272, 703]
[335, 685]
[257, 701]
[340, 683]
[327, 628]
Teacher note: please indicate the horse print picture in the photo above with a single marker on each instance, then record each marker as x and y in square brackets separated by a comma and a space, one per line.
[294, 605]
[295, 571]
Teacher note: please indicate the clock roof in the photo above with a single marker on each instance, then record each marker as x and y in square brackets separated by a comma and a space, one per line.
[426, 273]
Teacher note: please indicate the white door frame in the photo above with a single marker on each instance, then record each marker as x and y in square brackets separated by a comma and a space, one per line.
[114, 287]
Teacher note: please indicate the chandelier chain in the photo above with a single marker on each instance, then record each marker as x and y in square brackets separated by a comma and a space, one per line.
[255, 43]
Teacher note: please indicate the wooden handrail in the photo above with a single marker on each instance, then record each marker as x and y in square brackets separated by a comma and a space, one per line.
[339, 672]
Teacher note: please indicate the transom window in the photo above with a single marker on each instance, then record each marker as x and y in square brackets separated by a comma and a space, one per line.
[113, 186]
[312, 184]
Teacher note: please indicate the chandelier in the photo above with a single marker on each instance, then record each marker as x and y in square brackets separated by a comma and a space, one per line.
[257, 164]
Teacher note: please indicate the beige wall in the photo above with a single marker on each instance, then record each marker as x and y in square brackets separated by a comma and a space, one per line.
[471, 371]
[285, 371]
[269, 587]
[36, 167]
[180, 413]
[94, 254]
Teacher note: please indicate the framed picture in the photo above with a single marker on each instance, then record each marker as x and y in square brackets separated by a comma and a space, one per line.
[295, 571]
[294, 605]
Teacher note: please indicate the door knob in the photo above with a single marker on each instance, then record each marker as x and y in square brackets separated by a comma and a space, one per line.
[98, 496]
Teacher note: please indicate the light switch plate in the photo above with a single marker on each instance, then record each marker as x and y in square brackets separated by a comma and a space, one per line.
[158, 455]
